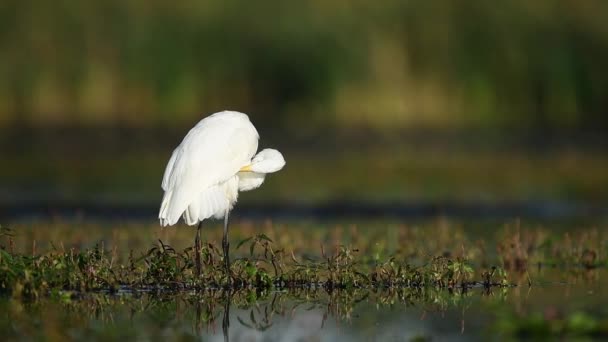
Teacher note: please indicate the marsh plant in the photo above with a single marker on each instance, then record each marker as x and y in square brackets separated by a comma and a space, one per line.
[520, 249]
[264, 267]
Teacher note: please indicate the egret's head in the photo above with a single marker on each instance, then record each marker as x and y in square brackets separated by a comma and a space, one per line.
[267, 161]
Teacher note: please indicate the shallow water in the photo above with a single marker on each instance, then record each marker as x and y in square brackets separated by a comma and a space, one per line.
[400, 315]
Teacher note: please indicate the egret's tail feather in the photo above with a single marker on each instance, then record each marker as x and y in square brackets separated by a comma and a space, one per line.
[163, 215]
[213, 201]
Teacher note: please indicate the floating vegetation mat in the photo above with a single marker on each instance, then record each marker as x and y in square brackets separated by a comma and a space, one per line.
[438, 256]
[162, 268]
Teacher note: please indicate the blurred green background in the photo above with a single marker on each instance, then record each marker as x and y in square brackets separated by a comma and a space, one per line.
[369, 101]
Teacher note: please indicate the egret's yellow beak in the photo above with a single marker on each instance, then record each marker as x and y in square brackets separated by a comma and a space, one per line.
[245, 168]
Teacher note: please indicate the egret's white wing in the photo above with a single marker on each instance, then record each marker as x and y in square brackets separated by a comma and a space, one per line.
[250, 180]
[211, 153]
[169, 169]
[212, 202]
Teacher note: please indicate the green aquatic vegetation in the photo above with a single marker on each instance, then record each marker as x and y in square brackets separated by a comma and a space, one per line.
[577, 324]
[164, 268]
[517, 247]
[118, 258]
[32, 276]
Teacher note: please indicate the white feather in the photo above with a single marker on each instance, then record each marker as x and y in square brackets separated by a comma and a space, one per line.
[212, 202]
[250, 180]
[169, 169]
[212, 153]
[203, 178]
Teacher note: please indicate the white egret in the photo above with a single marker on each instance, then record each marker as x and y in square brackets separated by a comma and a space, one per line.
[210, 166]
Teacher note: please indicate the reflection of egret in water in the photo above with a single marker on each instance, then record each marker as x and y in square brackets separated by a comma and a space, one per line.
[226, 318]
[299, 315]
[255, 323]
[336, 316]
[207, 315]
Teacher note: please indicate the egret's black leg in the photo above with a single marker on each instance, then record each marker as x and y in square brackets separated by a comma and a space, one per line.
[197, 249]
[226, 245]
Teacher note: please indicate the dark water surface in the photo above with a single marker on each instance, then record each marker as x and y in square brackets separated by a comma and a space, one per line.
[471, 211]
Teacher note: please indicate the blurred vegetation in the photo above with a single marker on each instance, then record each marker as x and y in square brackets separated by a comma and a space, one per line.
[550, 325]
[384, 64]
[317, 177]
[457, 100]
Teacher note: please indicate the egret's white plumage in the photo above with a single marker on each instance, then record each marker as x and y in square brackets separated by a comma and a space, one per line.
[212, 164]
[207, 170]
